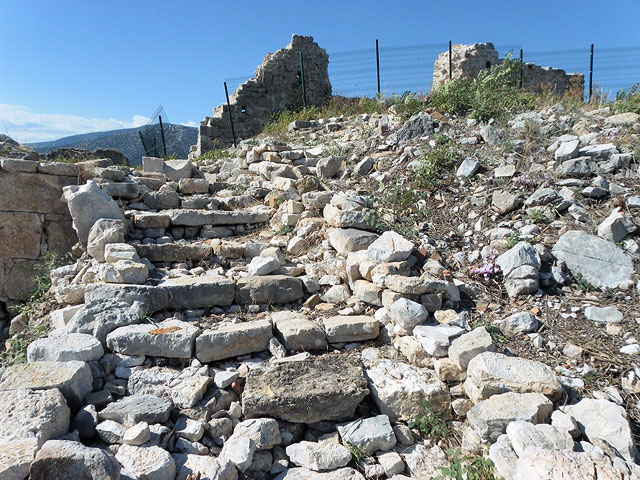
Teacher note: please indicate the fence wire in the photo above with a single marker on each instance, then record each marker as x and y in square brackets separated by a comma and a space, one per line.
[410, 68]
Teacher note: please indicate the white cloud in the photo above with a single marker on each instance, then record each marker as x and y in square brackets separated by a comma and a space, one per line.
[190, 123]
[25, 126]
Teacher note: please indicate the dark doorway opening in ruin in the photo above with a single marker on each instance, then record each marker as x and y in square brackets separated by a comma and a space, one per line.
[488, 64]
[243, 109]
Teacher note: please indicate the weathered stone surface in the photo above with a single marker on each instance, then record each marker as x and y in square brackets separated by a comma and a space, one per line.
[436, 339]
[407, 313]
[368, 292]
[524, 435]
[16, 457]
[390, 247]
[114, 252]
[233, 340]
[424, 463]
[490, 417]
[103, 231]
[26, 414]
[88, 203]
[173, 252]
[137, 434]
[299, 333]
[124, 271]
[318, 456]
[100, 317]
[603, 314]
[505, 202]
[270, 290]
[357, 328]
[64, 460]
[464, 348]
[189, 391]
[335, 217]
[414, 128]
[328, 167]
[65, 347]
[492, 373]
[605, 425]
[146, 463]
[209, 468]
[521, 254]
[521, 322]
[347, 240]
[21, 234]
[305, 474]
[329, 387]
[73, 379]
[601, 263]
[198, 218]
[542, 464]
[137, 408]
[262, 266]
[468, 167]
[151, 220]
[369, 434]
[399, 390]
[239, 451]
[20, 187]
[264, 432]
[171, 338]
[424, 284]
[199, 292]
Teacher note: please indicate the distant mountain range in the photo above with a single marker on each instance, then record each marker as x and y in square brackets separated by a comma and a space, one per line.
[178, 139]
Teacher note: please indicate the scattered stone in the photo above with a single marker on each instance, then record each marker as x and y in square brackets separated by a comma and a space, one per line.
[134, 409]
[233, 340]
[489, 418]
[318, 456]
[149, 463]
[603, 314]
[344, 329]
[171, 338]
[524, 435]
[468, 168]
[390, 247]
[64, 348]
[519, 323]
[466, 347]
[369, 434]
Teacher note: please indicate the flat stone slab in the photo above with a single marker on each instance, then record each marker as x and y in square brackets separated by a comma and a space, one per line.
[491, 373]
[137, 408]
[29, 414]
[151, 220]
[370, 434]
[73, 379]
[16, 457]
[300, 333]
[356, 328]
[601, 263]
[199, 292]
[173, 252]
[65, 347]
[197, 218]
[233, 340]
[329, 387]
[268, 289]
[171, 339]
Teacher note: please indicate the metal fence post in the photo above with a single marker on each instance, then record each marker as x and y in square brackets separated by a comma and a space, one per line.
[378, 65]
[591, 73]
[304, 93]
[164, 144]
[521, 66]
[450, 62]
[233, 132]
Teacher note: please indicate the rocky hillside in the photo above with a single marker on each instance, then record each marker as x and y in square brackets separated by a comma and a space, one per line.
[178, 137]
[361, 297]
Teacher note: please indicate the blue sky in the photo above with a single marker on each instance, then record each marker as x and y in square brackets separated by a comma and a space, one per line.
[71, 66]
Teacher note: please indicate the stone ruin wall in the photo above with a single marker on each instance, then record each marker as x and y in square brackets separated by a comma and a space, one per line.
[275, 87]
[469, 60]
[33, 221]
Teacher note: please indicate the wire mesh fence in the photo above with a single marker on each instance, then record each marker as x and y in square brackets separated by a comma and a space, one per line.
[395, 70]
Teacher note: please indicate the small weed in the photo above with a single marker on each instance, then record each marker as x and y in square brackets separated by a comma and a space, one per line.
[214, 155]
[357, 452]
[584, 285]
[435, 163]
[492, 329]
[16, 346]
[285, 230]
[513, 239]
[173, 156]
[42, 282]
[468, 467]
[537, 216]
[407, 104]
[431, 424]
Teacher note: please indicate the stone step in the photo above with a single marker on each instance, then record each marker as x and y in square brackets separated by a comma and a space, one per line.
[198, 218]
[173, 252]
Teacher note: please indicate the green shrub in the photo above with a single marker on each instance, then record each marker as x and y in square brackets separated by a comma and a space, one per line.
[627, 101]
[435, 163]
[407, 105]
[493, 93]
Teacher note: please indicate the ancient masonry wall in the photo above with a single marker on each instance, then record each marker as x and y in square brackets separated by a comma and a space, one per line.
[276, 86]
[33, 221]
[469, 60]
